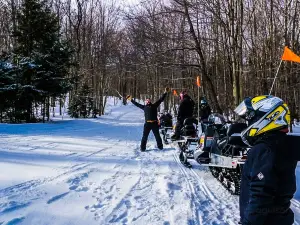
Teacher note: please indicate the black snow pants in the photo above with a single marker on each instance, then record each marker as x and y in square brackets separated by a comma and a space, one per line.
[148, 126]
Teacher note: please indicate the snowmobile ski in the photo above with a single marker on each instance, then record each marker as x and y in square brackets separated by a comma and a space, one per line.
[187, 164]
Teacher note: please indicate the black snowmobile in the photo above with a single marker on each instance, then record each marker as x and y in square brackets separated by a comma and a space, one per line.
[166, 126]
[188, 141]
[222, 149]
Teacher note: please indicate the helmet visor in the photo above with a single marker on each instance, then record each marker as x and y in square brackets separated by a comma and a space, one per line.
[245, 109]
[241, 110]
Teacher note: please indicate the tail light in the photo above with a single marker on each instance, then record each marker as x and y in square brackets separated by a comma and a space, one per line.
[244, 157]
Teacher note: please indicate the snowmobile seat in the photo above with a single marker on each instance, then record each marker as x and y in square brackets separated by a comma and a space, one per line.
[190, 121]
[236, 128]
[208, 138]
[166, 121]
[236, 140]
[189, 127]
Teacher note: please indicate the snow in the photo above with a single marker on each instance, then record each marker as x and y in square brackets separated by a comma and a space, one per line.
[90, 171]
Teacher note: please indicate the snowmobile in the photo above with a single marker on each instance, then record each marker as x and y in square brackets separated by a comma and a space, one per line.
[221, 149]
[166, 127]
[188, 140]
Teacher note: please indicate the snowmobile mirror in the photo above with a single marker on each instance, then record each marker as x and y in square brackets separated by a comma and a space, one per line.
[236, 140]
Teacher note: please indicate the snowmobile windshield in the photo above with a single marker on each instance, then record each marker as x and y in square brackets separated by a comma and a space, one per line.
[216, 118]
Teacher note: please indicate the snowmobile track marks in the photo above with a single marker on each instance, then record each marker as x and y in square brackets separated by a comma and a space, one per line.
[213, 208]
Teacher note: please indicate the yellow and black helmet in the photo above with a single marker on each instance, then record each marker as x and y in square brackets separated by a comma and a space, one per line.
[264, 114]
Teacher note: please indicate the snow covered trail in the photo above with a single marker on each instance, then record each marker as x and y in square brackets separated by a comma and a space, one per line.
[92, 172]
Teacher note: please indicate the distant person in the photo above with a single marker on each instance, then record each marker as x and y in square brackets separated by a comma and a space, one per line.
[186, 109]
[268, 180]
[151, 121]
[204, 110]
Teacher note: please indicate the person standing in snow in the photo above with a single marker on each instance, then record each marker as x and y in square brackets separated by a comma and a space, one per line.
[268, 178]
[186, 109]
[151, 121]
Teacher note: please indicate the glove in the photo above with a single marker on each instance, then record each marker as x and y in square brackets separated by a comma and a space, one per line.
[128, 97]
[167, 90]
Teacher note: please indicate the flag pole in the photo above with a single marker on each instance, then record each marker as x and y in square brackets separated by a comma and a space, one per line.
[275, 77]
[198, 85]
[198, 105]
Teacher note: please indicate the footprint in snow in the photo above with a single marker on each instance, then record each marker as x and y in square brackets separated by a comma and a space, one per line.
[119, 218]
[82, 188]
[137, 197]
[128, 204]
[57, 197]
[173, 187]
[12, 206]
[75, 183]
[97, 206]
[16, 221]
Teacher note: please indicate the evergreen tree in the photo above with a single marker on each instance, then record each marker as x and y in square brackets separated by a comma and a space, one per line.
[7, 89]
[45, 58]
[16, 93]
[82, 104]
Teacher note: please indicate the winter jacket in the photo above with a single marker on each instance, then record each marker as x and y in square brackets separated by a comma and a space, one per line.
[150, 110]
[186, 108]
[268, 181]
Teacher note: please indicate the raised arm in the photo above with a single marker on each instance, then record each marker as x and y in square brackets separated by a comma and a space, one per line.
[129, 98]
[162, 98]
[137, 104]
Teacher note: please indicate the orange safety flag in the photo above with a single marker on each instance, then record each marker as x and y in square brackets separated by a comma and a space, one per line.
[288, 55]
[198, 81]
[175, 93]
